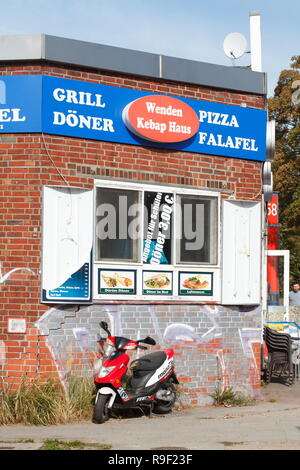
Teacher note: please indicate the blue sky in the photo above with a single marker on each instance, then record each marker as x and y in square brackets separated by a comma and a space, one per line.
[191, 29]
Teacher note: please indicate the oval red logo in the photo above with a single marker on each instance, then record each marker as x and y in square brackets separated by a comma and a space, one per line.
[161, 118]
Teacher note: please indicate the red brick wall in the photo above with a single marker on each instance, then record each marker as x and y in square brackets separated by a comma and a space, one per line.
[26, 165]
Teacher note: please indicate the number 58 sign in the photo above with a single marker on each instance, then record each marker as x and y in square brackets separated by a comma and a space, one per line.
[273, 210]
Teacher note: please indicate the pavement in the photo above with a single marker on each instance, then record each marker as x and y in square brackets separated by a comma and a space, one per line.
[272, 423]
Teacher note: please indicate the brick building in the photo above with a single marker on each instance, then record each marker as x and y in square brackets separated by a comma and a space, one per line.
[75, 165]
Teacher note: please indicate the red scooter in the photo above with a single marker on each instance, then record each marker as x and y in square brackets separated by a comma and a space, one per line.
[151, 383]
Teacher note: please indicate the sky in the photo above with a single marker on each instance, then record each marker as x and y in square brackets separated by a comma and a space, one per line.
[189, 29]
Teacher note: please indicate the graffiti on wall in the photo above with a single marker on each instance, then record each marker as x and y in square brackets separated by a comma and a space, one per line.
[72, 339]
[5, 277]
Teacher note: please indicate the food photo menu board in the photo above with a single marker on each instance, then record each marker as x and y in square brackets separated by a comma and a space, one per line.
[112, 281]
[195, 283]
[157, 282]
[162, 283]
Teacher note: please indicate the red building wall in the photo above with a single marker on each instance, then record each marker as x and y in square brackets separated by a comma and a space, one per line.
[29, 161]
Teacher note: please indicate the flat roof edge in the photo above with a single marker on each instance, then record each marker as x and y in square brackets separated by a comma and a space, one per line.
[115, 59]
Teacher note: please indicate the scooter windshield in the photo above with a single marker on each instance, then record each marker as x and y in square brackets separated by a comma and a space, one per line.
[108, 352]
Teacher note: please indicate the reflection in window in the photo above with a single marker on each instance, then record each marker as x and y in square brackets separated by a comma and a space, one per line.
[117, 225]
[197, 228]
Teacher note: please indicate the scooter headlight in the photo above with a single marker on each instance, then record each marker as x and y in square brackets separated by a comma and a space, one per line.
[130, 346]
[105, 371]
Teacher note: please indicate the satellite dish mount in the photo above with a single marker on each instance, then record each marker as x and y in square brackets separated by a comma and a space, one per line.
[234, 46]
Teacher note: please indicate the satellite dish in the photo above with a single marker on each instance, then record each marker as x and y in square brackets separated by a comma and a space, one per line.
[234, 45]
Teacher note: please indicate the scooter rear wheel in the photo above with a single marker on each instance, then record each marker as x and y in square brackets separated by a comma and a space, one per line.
[163, 407]
[101, 411]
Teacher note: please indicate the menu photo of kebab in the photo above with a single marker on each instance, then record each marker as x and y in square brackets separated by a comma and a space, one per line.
[157, 282]
[196, 283]
[117, 281]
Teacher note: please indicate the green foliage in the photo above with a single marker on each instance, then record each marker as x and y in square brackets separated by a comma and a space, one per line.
[285, 109]
[228, 397]
[55, 444]
[46, 404]
[81, 396]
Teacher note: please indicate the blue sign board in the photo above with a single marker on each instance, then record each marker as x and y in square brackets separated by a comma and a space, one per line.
[20, 103]
[36, 103]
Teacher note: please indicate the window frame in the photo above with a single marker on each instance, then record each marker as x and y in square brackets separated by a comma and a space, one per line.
[214, 246]
[138, 244]
[177, 191]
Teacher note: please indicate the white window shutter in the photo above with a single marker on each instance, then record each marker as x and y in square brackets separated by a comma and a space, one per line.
[67, 244]
[241, 258]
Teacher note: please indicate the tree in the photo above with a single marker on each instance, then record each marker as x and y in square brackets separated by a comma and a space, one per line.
[284, 107]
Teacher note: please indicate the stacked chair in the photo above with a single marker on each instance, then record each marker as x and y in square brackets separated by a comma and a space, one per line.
[279, 364]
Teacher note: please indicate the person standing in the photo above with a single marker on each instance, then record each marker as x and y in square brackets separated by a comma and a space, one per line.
[294, 295]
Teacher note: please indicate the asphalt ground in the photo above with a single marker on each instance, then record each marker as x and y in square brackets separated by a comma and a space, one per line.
[272, 423]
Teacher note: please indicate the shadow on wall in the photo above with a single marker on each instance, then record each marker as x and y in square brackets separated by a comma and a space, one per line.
[214, 345]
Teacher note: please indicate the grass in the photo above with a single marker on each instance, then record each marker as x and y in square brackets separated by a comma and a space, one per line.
[20, 441]
[47, 404]
[230, 398]
[54, 444]
[229, 443]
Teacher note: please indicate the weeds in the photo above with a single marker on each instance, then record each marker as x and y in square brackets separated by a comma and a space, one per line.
[20, 441]
[229, 443]
[54, 444]
[230, 398]
[46, 404]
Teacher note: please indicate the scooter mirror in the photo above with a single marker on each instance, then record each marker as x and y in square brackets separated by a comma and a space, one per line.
[104, 325]
[148, 340]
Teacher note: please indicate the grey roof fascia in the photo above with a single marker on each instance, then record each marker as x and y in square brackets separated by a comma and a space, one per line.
[22, 47]
[213, 75]
[116, 59]
[101, 56]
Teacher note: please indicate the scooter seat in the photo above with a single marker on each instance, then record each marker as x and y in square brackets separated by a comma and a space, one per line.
[149, 362]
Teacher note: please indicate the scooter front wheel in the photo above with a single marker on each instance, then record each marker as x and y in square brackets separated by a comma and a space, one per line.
[101, 411]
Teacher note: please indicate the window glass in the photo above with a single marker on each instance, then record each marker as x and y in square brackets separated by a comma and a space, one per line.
[138, 227]
[118, 224]
[197, 229]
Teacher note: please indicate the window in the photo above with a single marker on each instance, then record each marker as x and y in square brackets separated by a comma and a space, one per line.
[197, 227]
[117, 225]
[155, 226]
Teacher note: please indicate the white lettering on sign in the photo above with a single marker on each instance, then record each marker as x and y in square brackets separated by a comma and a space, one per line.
[8, 115]
[150, 124]
[78, 97]
[168, 110]
[218, 118]
[73, 119]
[232, 142]
[162, 126]
[167, 209]
[174, 127]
